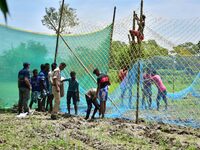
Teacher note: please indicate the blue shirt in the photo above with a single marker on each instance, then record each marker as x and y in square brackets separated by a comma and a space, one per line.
[73, 85]
[35, 83]
[24, 73]
[46, 79]
[42, 80]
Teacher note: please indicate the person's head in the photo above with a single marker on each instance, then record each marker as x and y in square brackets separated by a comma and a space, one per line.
[154, 72]
[47, 67]
[35, 72]
[96, 72]
[26, 65]
[42, 67]
[73, 74]
[62, 66]
[53, 66]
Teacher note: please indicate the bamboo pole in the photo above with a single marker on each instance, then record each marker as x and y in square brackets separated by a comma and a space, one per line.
[138, 76]
[112, 28]
[111, 34]
[133, 25]
[58, 31]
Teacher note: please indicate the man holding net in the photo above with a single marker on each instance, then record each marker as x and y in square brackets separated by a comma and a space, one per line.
[102, 90]
[146, 91]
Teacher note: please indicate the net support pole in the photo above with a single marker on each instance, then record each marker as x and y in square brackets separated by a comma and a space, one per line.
[111, 33]
[173, 80]
[138, 75]
[112, 28]
[133, 25]
[58, 31]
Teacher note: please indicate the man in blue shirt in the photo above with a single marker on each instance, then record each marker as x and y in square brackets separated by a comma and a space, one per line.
[72, 92]
[35, 88]
[43, 88]
[24, 88]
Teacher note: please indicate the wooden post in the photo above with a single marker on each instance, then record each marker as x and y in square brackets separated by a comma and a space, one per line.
[112, 29]
[133, 25]
[58, 31]
[111, 35]
[138, 76]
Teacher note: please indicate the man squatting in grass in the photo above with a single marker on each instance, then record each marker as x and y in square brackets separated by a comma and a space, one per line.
[35, 92]
[90, 97]
[24, 88]
[161, 89]
[72, 92]
[56, 88]
[102, 90]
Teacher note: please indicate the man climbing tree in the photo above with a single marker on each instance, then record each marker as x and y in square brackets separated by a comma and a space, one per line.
[69, 18]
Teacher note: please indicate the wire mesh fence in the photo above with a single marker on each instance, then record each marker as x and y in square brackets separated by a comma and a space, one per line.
[171, 47]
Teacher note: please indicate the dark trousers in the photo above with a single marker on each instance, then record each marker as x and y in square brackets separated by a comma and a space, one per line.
[163, 95]
[73, 95]
[91, 101]
[24, 96]
[42, 101]
[49, 102]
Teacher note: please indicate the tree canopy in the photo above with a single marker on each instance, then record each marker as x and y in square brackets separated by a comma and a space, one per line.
[188, 49]
[69, 18]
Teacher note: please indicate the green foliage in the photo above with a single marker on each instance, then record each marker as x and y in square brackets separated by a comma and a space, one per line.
[69, 18]
[119, 55]
[188, 49]
[4, 8]
[150, 49]
[12, 60]
[122, 55]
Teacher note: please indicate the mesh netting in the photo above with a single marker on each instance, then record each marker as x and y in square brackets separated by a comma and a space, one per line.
[171, 47]
[18, 47]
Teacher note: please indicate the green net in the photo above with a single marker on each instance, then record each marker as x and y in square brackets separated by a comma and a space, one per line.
[19, 46]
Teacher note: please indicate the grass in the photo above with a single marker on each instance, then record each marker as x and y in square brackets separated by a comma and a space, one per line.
[37, 132]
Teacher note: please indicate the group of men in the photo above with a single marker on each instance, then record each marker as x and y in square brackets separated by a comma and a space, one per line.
[47, 85]
[43, 86]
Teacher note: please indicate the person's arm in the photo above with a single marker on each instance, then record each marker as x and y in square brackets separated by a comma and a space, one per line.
[65, 80]
[98, 87]
[27, 82]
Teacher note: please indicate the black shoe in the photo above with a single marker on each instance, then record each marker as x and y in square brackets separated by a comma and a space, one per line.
[53, 117]
[93, 118]
[86, 118]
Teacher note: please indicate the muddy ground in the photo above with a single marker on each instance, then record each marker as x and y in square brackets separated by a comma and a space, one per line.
[38, 132]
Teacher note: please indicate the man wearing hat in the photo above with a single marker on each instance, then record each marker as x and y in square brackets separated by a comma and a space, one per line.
[24, 88]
